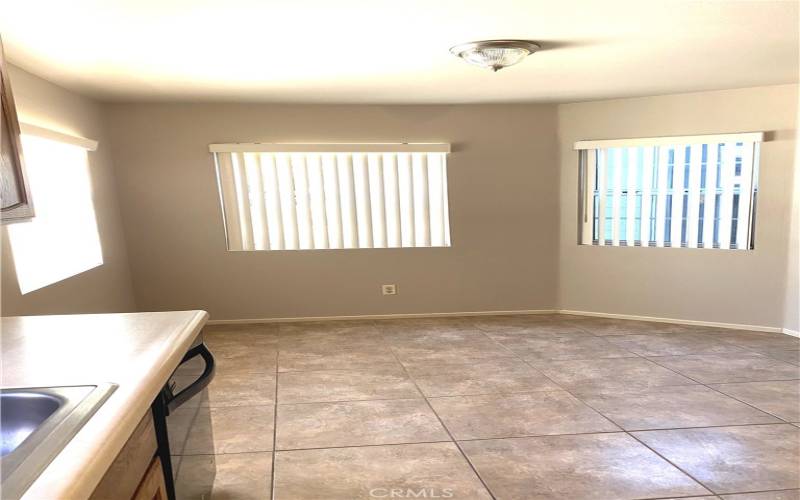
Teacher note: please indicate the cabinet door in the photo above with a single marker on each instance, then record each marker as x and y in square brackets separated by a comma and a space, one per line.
[152, 486]
[15, 195]
[125, 475]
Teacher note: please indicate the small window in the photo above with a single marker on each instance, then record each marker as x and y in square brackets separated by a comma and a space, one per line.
[342, 196]
[680, 192]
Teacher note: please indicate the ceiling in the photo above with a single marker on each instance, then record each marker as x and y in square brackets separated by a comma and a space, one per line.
[396, 51]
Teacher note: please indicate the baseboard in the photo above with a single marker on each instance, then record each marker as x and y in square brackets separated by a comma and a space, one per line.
[716, 324]
[377, 316]
[793, 333]
[654, 319]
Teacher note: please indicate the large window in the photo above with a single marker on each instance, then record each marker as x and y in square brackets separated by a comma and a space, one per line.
[333, 196]
[690, 192]
[61, 241]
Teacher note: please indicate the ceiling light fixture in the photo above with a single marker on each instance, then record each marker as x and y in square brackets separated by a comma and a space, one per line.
[495, 54]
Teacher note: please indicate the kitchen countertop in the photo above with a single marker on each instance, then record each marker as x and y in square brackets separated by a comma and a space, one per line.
[136, 351]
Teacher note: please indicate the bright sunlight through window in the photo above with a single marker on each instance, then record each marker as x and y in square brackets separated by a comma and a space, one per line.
[61, 240]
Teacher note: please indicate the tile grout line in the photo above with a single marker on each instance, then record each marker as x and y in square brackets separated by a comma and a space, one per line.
[439, 419]
[702, 485]
[729, 396]
[629, 433]
[384, 340]
[759, 491]
[274, 428]
[576, 396]
[485, 332]
[697, 382]
[337, 401]
[684, 497]
[653, 430]
[648, 358]
[257, 452]
[753, 350]
[620, 429]
[679, 428]
[633, 355]
[744, 349]
[370, 445]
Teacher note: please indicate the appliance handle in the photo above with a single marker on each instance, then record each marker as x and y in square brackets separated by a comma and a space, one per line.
[173, 401]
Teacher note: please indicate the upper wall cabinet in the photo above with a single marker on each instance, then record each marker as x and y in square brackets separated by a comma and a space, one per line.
[15, 196]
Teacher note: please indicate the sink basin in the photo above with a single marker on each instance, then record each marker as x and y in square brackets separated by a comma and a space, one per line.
[21, 413]
[36, 423]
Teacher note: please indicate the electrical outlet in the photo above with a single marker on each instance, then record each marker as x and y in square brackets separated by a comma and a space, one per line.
[389, 289]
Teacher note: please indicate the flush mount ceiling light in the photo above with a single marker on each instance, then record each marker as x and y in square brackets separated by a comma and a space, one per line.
[495, 54]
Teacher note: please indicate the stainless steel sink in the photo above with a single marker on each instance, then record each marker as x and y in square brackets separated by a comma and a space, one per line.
[22, 412]
[36, 423]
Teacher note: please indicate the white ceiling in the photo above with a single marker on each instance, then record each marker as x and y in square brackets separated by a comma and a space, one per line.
[396, 51]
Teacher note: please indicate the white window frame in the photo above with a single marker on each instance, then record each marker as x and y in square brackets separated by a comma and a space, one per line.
[680, 218]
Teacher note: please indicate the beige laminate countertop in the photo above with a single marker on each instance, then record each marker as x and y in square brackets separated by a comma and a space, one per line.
[136, 351]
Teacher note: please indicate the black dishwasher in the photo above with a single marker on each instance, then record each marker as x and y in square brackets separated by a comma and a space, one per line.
[183, 422]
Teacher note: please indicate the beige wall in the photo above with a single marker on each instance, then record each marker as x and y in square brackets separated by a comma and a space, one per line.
[503, 206]
[105, 288]
[792, 308]
[513, 213]
[709, 285]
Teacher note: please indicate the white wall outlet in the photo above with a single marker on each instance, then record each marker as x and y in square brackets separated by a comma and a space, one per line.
[389, 289]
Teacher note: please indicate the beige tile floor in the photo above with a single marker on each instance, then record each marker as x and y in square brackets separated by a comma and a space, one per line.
[506, 407]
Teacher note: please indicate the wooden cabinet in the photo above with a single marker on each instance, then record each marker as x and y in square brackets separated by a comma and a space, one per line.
[152, 486]
[136, 472]
[15, 196]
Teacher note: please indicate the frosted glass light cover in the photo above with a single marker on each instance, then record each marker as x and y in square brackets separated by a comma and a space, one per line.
[495, 58]
[495, 54]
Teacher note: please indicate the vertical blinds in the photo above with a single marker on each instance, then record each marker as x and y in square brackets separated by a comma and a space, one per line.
[694, 192]
[316, 199]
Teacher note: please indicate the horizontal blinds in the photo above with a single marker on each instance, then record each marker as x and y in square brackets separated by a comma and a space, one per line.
[310, 200]
[695, 195]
